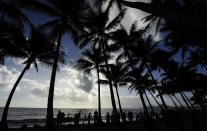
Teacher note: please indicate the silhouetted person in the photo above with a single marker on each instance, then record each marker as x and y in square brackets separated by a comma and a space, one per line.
[76, 118]
[124, 117]
[58, 118]
[118, 116]
[130, 116]
[113, 117]
[68, 115]
[108, 118]
[89, 118]
[96, 117]
[151, 115]
[62, 118]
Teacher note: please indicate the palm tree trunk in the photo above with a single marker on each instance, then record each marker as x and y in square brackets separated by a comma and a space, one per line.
[160, 94]
[155, 99]
[3, 123]
[99, 95]
[120, 108]
[179, 102]
[110, 82]
[185, 101]
[143, 103]
[181, 14]
[150, 105]
[176, 106]
[49, 117]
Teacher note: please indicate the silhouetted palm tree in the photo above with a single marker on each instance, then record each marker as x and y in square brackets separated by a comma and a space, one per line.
[91, 61]
[139, 82]
[96, 31]
[125, 41]
[67, 15]
[144, 50]
[35, 48]
[181, 78]
[117, 75]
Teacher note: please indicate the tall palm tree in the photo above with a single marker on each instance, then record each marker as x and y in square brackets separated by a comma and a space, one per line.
[139, 82]
[66, 16]
[117, 75]
[36, 48]
[182, 78]
[91, 61]
[96, 31]
[145, 50]
[124, 41]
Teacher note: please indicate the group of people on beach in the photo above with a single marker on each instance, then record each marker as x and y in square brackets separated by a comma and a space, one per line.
[95, 119]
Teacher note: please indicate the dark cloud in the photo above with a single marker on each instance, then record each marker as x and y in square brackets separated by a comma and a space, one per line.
[39, 92]
[86, 83]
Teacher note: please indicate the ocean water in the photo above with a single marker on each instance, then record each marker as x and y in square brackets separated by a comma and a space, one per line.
[18, 117]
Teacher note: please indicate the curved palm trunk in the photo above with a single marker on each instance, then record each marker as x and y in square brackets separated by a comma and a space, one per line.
[140, 92]
[99, 95]
[143, 103]
[155, 99]
[3, 123]
[185, 101]
[49, 117]
[190, 16]
[176, 106]
[179, 102]
[153, 111]
[160, 94]
[110, 82]
[120, 108]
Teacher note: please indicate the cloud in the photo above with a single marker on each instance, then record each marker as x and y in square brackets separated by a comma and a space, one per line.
[73, 89]
[39, 92]
[74, 78]
[7, 78]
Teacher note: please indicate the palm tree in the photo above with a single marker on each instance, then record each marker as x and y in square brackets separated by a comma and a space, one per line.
[117, 75]
[145, 50]
[139, 82]
[36, 48]
[67, 15]
[124, 41]
[96, 31]
[91, 61]
[181, 78]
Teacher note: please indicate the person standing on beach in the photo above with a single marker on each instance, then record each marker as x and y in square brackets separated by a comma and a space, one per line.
[95, 117]
[108, 118]
[89, 118]
[124, 117]
[58, 118]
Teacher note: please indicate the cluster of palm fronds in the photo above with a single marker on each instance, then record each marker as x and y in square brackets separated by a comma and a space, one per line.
[178, 59]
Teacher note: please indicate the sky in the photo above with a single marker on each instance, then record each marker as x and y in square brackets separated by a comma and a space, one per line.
[73, 88]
